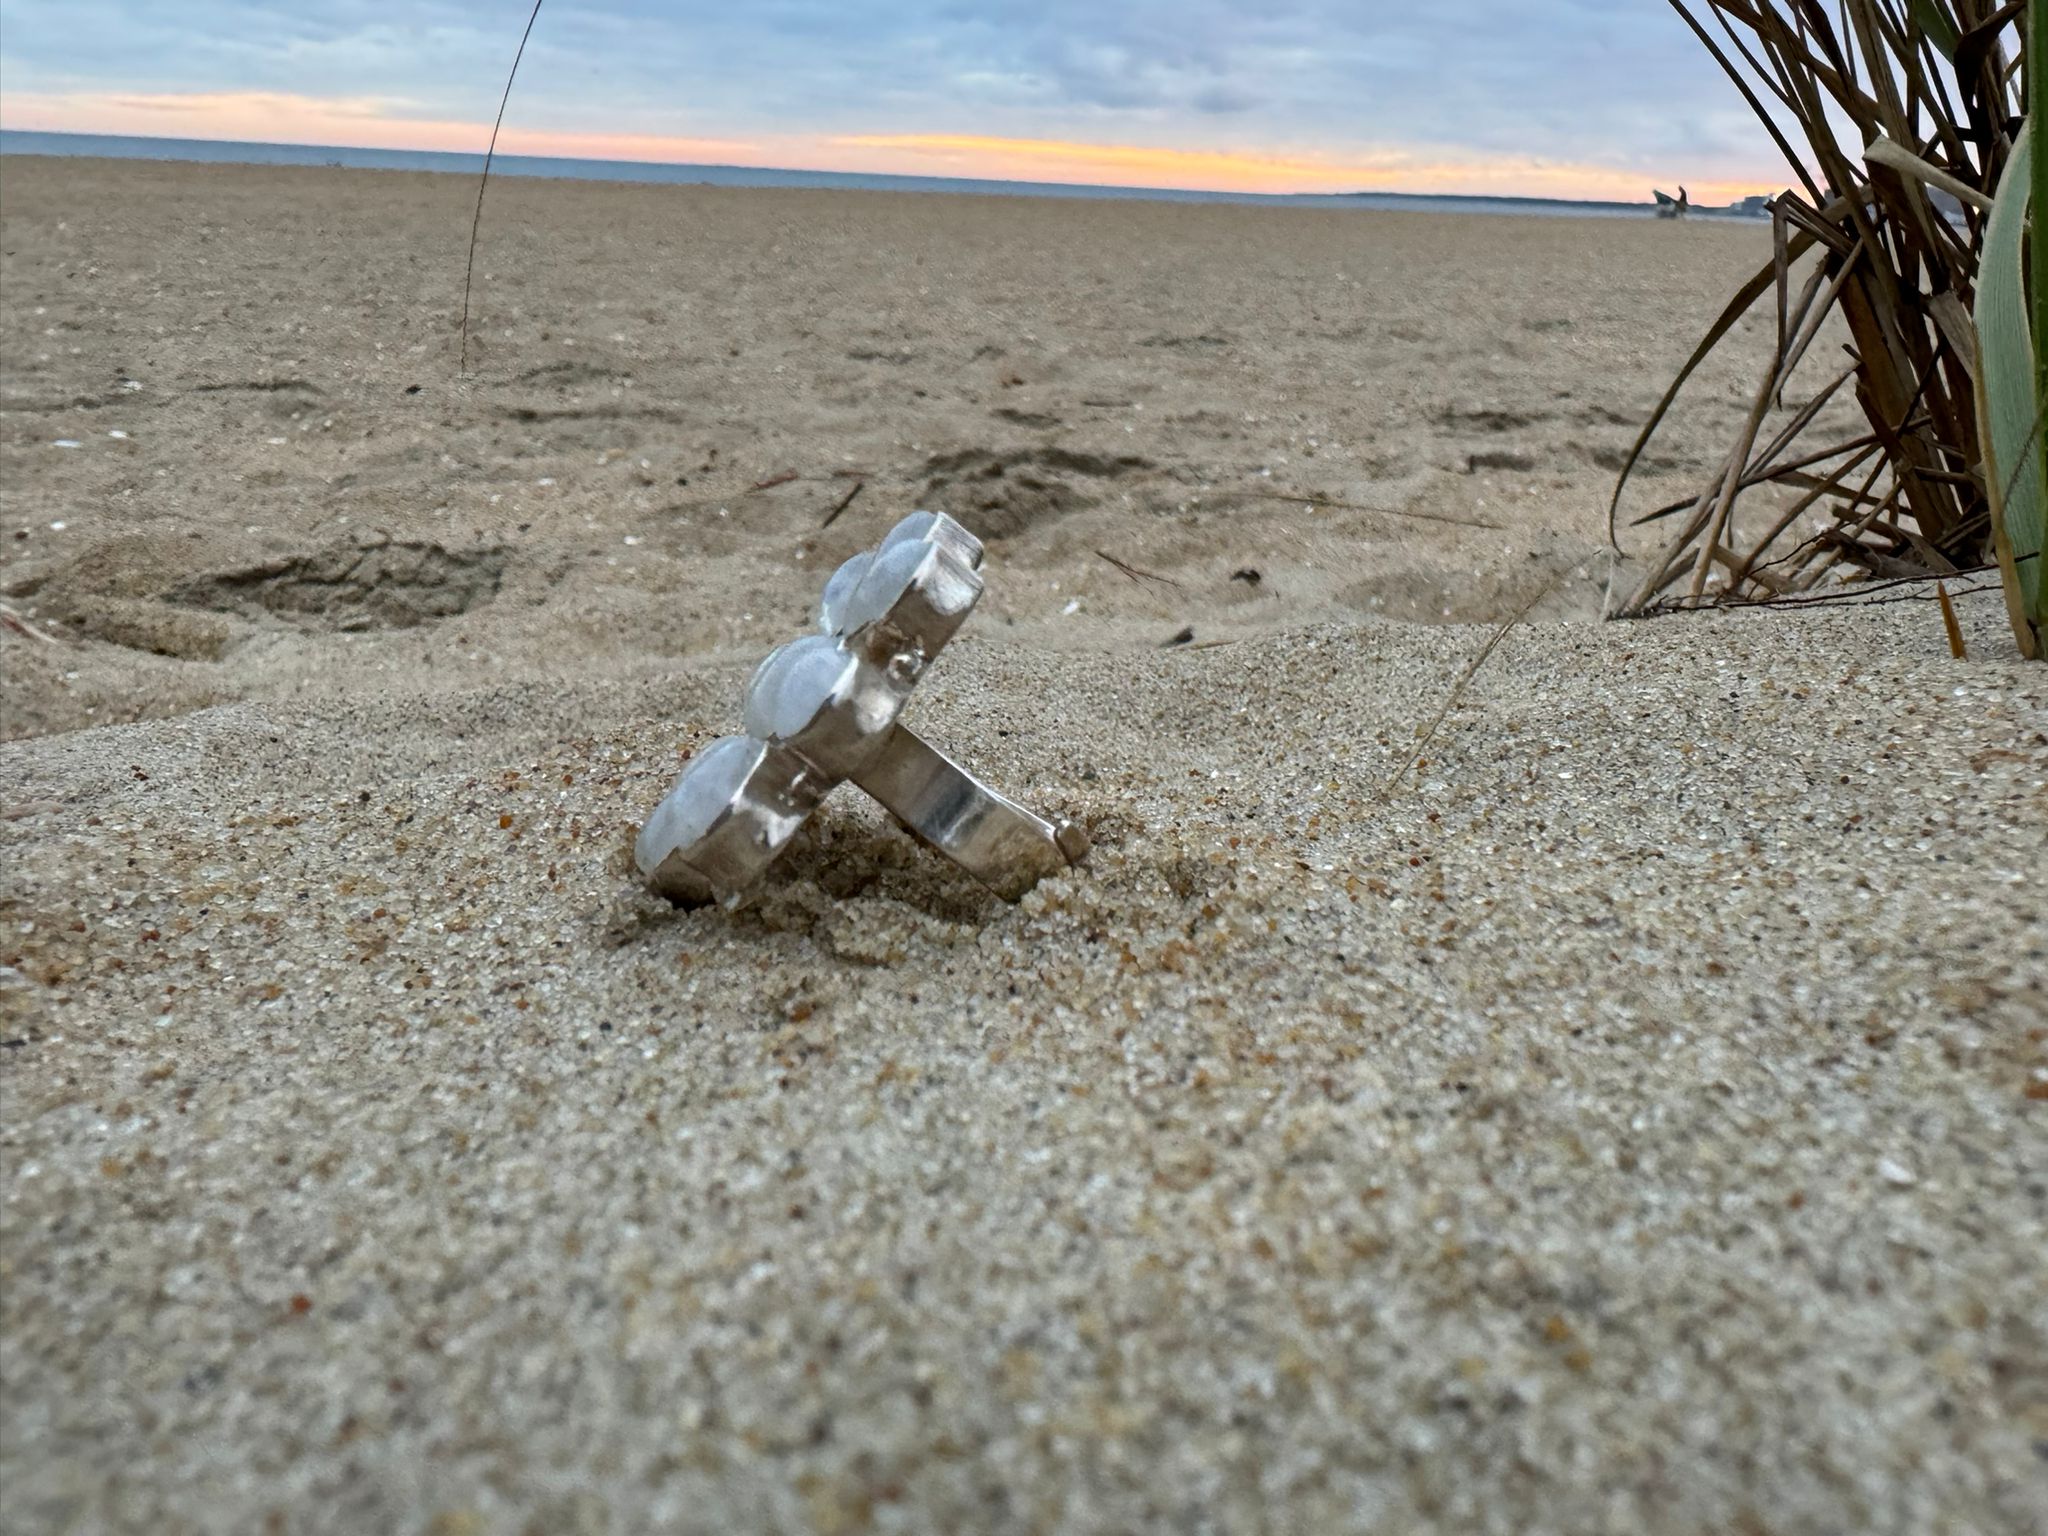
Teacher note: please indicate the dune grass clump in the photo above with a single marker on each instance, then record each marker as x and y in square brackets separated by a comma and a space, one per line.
[1903, 124]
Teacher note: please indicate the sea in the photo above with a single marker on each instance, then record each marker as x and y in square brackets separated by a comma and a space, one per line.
[224, 152]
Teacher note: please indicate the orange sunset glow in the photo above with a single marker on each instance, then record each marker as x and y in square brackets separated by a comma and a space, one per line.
[376, 123]
[1389, 170]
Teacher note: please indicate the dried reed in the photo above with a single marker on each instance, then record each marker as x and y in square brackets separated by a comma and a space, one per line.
[1897, 118]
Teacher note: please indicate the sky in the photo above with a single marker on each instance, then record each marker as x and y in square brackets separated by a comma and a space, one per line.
[1543, 98]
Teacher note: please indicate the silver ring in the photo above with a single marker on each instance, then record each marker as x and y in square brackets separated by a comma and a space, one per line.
[823, 710]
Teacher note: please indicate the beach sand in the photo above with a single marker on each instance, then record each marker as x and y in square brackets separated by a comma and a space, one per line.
[1628, 1118]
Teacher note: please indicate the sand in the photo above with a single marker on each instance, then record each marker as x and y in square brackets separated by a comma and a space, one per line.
[1629, 1118]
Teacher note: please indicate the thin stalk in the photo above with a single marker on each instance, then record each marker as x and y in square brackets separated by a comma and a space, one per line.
[490, 153]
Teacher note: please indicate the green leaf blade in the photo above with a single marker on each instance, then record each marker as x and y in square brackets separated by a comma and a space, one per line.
[1934, 19]
[2013, 457]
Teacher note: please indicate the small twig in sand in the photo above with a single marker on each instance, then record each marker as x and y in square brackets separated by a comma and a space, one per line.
[842, 504]
[774, 480]
[1458, 689]
[22, 627]
[1359, 506]
[1133, 572]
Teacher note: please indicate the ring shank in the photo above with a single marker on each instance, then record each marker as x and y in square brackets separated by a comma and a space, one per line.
[940, 803]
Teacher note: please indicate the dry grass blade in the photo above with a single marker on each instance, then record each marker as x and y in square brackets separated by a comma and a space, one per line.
[1458, 689]
[1134, 573]
[1885, 152]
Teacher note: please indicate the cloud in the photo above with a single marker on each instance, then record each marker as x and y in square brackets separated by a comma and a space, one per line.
[275, 117]
[1614, 88]
[1218, 100]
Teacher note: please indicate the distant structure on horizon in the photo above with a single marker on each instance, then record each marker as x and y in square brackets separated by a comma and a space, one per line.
[1669, 207]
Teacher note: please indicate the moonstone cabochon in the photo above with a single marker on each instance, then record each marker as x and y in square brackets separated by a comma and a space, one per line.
[870, 584]
[839, 591]
[703, 792]
[890, 575]
[795, 683]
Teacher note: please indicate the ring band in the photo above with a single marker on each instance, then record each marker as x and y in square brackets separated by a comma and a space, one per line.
[991, 836]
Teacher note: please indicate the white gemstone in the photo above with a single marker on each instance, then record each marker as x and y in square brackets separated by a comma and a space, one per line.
[702, 793]
[916, 526]
[885, 581]
[794, 683]
[832, 607]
